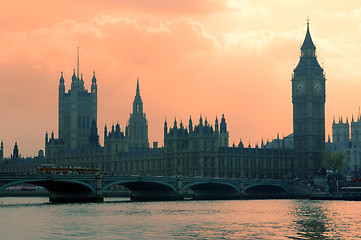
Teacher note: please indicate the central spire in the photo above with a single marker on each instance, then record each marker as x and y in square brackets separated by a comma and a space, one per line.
[308, 48]
[138, 104]
[308, 57]
[137, 92]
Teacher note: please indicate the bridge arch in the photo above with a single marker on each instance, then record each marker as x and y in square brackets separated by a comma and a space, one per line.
[147, 189]
[265, 190]
[213, 190]
[61, 190]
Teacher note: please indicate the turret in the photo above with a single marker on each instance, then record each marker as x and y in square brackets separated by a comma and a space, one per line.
[165, 127]
[190, 125]
[223, 133]
[16, 151]
[74, 80]
[94, 87]
[223, 125]
[61, 85]
[216, 125]
[2, 151]
[240, 144]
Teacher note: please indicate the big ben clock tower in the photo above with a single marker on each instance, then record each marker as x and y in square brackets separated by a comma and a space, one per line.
[308, 98]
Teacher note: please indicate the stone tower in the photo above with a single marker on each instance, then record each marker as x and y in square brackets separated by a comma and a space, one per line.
[137, 128]
[308, 98]
[340, 134]
[356, 132]
[77, 111]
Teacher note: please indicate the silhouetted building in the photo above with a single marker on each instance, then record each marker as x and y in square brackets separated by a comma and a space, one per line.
[308, 98]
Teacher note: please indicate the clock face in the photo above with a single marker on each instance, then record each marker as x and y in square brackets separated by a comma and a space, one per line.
[317, 87]
[300, 88]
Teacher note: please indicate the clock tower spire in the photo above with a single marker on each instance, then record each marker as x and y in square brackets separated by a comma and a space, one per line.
[308, 98]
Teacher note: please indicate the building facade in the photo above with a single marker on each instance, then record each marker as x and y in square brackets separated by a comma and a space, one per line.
[308, 98]
[350, 146]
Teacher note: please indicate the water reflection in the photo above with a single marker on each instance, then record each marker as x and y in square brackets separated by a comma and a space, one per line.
[310, 219]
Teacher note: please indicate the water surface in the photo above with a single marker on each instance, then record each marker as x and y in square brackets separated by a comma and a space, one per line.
[36, 218]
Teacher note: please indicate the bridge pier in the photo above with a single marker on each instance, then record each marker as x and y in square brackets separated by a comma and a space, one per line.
[180, 193]
[99, 189]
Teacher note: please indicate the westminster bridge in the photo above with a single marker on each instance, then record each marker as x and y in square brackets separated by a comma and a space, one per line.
[90, 188]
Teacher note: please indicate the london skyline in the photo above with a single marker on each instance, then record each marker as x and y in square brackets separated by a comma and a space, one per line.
[207, 58]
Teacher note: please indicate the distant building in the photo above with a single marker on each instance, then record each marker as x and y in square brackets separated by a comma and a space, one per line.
[18, 164]
[350, 146]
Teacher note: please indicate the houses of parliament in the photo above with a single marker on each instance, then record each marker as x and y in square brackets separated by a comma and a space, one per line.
[199, 148]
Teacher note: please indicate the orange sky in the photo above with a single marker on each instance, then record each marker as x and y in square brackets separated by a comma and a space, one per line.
[204, 57]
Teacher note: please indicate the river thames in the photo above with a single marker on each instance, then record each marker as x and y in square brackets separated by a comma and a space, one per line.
[116, 218]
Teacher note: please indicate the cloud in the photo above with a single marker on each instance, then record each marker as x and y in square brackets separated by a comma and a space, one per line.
[171, 7]
[356, 14]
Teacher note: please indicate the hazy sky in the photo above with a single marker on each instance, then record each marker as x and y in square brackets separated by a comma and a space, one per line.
[205, 57]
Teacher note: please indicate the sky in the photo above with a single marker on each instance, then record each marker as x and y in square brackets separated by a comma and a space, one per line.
[205, 57]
